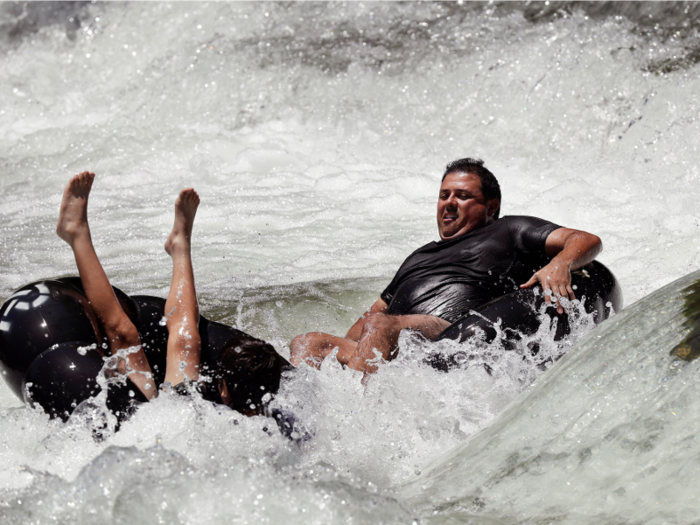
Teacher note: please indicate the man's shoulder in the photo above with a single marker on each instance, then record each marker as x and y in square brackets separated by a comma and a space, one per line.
[527, 233]
[426, 248]
[525, 222]
[516, 218]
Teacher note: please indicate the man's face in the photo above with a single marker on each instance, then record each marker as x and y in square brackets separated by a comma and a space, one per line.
[461, 205]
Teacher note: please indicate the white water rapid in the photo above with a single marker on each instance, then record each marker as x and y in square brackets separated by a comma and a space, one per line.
[316, 135]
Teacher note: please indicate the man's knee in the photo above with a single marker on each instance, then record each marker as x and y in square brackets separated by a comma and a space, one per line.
[302, 345]
[307, 348]
[299, 344]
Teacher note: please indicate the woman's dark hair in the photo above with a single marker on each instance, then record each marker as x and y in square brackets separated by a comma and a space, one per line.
[489, 185]
[250, 368]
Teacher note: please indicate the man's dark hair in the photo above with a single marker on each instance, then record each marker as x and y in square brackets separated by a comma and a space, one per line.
[250, 368]
[489, 185]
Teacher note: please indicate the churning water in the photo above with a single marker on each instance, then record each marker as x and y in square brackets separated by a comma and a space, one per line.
[315, 134]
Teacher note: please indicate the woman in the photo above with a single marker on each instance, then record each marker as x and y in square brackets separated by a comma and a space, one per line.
[247, 368]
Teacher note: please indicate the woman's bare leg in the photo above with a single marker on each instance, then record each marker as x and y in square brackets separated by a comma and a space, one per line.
[73, 228]
[181, 308]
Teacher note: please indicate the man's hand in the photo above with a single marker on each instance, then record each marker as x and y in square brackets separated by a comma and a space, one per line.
[555, 279]
[355, 331]
[571, 250]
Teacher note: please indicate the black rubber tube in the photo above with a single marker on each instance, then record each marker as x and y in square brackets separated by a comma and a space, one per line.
[518, 312]
[52, 349]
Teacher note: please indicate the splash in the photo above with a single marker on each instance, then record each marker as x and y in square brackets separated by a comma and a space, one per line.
[613, 438]
[315, 134]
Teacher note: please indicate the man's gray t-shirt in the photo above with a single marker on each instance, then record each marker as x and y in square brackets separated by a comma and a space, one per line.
[449, 278]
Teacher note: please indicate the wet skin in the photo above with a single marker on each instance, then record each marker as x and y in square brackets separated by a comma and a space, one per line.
[462, 207]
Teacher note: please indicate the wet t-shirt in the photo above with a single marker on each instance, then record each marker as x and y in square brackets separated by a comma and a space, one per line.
[449, 278]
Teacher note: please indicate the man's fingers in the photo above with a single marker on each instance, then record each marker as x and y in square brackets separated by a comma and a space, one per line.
[548, 293]
[555, 287]
[554, 298]
[564, 291]
[551, 290]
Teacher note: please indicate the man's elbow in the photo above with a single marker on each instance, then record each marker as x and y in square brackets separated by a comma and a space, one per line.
[581, 247]
[595, 243]
[589, 247]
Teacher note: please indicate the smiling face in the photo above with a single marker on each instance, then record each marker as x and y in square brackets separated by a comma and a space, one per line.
[462, 207]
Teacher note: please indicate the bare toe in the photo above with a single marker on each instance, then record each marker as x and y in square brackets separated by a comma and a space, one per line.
[186, 206]
[72, 217]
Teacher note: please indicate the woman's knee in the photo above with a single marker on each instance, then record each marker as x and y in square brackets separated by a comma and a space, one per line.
[123, 333]
[185, 340]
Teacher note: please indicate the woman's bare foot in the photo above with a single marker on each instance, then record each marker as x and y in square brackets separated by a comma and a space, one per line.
[185, 209]
[72, 219]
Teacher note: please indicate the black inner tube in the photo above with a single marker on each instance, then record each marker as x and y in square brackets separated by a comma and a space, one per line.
[52, 349]
[518, 312]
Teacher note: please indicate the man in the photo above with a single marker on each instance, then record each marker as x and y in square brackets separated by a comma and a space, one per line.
[478, 258]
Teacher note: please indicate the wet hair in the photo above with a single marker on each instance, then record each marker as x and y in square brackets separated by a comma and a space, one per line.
[250, 368]
[489, 184]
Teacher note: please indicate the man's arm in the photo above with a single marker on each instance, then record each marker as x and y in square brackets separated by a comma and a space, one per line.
[356, 329]
[570, 249]
[312, 348]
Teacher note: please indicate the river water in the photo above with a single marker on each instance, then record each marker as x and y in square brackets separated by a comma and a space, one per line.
[316, 134]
